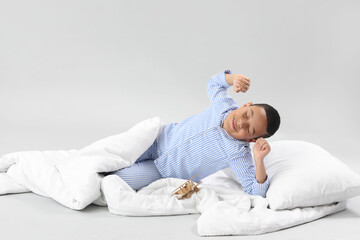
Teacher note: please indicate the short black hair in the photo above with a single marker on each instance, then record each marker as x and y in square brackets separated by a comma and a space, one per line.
[273, 119]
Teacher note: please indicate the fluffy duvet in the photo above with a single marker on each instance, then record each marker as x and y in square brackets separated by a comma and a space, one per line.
[73, 178]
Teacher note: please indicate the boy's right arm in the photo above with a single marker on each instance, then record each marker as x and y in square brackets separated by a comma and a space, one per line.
[217, 87]
[239, 82]
[219, 83]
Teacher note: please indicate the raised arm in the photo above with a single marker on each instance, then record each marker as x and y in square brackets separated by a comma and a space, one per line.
[217, 87]
[219, 83]
[239, 82]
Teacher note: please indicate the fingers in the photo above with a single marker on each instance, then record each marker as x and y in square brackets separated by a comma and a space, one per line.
[242, 84]
[240, 88]
[262, 144]
[246, 81]
[245, 84]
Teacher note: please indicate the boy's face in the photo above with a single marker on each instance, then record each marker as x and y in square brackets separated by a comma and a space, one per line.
[246, 123]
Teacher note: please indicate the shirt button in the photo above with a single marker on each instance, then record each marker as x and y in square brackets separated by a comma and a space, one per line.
[191, 140]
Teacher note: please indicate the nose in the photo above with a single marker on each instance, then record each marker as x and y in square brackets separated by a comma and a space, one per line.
[242, 123]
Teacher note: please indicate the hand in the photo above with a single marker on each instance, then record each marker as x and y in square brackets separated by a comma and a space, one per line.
[241, 83]
[261, 149]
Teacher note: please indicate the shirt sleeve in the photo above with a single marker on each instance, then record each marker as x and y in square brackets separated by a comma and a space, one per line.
[217, 87]
[244, 169]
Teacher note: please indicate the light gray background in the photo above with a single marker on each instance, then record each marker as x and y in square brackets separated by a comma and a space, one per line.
[72, 72]
[75, 71]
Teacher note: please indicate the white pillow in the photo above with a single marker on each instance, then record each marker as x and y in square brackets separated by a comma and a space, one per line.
[303, 174]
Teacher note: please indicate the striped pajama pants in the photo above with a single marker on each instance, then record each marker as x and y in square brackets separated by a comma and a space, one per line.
[143, 171]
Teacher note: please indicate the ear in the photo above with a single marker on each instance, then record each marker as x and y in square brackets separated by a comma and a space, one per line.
[250, 140]
[247, 104]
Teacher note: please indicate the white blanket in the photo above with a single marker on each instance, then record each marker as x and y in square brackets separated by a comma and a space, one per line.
[73, 179]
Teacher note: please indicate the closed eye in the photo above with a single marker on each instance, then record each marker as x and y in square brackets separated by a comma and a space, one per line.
[247, 114]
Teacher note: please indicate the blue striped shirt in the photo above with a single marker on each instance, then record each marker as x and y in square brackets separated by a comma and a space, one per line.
[199, 145]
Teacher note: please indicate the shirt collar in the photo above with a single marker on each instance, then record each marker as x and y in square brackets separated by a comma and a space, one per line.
[226, 135]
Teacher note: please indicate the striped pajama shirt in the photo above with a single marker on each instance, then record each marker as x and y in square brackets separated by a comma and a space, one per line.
[198, 145]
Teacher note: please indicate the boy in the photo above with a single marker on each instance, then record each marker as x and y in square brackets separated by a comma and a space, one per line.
[212, 140]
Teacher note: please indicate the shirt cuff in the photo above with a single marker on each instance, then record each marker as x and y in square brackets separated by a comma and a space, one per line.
[222, 78]
[261, 188]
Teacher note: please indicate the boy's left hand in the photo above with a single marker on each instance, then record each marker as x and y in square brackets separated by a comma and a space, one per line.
[261, 149]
